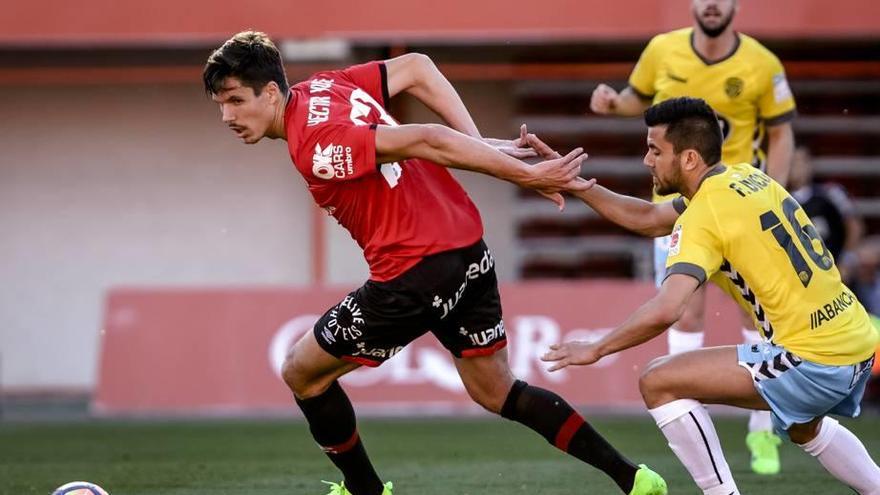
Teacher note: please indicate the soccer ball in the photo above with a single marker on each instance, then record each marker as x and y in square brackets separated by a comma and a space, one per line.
[79, 488]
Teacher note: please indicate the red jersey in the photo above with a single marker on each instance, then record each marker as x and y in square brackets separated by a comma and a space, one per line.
[397, 212]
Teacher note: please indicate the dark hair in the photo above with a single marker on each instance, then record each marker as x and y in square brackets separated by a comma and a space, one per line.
[249, 56]
[691, 124]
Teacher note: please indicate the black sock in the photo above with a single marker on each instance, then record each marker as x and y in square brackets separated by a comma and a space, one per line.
[552, 417]
[332, 423]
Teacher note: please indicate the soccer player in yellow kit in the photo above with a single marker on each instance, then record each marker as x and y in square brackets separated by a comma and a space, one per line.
[746, 86]
[737, 226]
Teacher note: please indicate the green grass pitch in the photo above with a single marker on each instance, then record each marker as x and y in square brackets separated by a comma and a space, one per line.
[422, 457]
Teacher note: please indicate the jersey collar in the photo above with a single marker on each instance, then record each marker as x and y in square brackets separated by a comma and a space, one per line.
[288, 112]
[722, 59]
[715, 170]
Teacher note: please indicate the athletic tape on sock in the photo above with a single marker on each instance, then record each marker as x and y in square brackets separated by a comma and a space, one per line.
[669, 412]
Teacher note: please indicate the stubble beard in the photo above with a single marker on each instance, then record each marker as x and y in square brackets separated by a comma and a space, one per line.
[714, 32]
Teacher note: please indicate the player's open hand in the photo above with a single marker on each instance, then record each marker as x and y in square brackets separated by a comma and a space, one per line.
[543, 149]
[517, 148]
[576, 352]
[602, 100]
[555, 197]
[580, 184]
[576, 183]
[555, 175]
[547, 153]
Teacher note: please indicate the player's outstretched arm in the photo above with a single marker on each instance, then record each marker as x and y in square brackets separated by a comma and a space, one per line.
[634, 214]
[647, 322]
[637, 215]
[453, 149]
[416, 74]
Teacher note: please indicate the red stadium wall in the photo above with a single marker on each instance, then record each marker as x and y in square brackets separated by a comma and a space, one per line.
[218, 351]
[112, 21]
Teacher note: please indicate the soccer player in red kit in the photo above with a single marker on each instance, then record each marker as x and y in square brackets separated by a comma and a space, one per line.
[389, 186]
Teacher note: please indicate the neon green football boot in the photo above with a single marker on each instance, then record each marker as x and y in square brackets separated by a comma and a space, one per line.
[648, 482]
[339, 488]
[764, 446]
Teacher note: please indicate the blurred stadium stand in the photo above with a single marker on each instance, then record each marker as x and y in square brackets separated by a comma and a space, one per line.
[838, 95]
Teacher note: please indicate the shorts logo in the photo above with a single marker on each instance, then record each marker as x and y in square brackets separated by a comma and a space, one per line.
[487, 336]
[378, 353]
[474, 271]
[346, 321]
[332, 161]
[859, 370]
[675, 241]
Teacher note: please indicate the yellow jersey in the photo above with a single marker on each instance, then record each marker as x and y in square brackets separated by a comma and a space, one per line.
[747, 89]
[745, 232]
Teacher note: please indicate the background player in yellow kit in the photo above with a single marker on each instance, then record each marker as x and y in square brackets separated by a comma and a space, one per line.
[746, 86]
[743, 230]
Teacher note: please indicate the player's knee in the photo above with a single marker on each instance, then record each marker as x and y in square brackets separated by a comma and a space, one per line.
[488, 380]
[652, 382]
[805, 432]
[295, 375]
[690, 321]
[490, 393]
[289, 372]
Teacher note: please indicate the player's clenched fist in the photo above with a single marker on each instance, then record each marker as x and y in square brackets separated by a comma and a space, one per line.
[602, 101]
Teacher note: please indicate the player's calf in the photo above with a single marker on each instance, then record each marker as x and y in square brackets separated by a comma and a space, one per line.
[840, 452]
[311, 374]
[553, 418]
[491, 384]
[333, 426]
